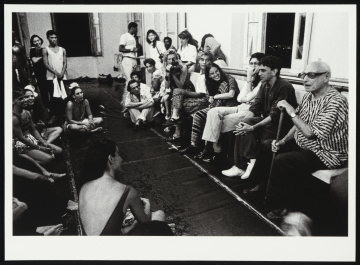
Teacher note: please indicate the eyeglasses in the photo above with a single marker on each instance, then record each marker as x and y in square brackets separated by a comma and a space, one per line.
[311, 75]
[254, 63]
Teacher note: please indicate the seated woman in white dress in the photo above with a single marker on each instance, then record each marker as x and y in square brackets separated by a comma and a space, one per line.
[188, 50]
[76, 109]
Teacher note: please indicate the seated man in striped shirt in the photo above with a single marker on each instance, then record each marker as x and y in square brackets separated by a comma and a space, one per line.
[318, 139]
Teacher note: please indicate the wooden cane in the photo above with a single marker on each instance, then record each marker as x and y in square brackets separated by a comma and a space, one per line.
[274, 154]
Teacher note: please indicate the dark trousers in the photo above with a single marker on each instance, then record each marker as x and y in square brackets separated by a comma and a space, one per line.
[247, 146]
[290, 165]
[56, 105]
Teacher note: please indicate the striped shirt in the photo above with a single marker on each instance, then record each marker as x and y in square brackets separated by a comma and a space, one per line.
[328, 120]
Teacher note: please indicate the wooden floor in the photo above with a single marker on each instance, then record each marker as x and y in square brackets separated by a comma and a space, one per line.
[193, 194]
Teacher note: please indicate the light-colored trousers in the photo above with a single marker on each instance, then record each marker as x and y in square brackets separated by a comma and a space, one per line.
[144, 114]
[223, 119]
[128, 65]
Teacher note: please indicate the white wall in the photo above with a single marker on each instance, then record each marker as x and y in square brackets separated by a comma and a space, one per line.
[219, 26]
[39, 24]
[330, 42]
[112, 25]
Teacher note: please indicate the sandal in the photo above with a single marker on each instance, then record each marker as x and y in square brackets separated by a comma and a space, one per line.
[172, 122]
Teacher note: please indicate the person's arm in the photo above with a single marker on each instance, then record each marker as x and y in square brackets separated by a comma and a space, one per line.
[243, 128]
[213, 44]
[20, 136]
[227, 95]
[257, 107]
[89, 113]
[146, 105]
[275, 146]
[33, 56]
[36, 134]
[122, 49]
[64, 64]
[47, 65]
[180, 82]
[139, 208]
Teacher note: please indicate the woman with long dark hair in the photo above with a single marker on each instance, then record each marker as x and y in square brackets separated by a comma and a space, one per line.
[188, 50]
[223, 90]
[156, 48]
[223, 119]
[103, 200]
[39, 67]
[77, 108]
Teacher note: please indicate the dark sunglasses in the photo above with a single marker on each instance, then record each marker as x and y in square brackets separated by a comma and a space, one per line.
[311, 75]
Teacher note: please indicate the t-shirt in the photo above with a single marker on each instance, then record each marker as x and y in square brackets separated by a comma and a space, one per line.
[129, 42]
[145, 95]
[329, 121]
[188, 53]
[200, 85]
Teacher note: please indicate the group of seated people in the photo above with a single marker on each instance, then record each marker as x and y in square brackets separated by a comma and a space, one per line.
[312, 135]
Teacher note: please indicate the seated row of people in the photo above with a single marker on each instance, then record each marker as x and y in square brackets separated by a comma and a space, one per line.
[319, 124]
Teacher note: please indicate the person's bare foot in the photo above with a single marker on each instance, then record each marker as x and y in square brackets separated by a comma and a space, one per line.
[98, 129]
[54, 175]
[54, 231]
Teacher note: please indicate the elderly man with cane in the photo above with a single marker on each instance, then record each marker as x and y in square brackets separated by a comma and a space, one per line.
[318, 140]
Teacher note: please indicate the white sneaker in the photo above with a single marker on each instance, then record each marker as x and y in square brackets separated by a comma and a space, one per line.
[233, 172]
[248, 169]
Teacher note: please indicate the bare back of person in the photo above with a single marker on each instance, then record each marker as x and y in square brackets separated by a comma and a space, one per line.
[98, 200]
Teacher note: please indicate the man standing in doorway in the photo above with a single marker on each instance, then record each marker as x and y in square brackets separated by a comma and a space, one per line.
[55, 62]
[128, 48]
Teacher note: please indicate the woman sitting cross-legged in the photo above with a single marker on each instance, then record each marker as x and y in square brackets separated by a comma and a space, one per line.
[223, 91]
[40, 115]
[27, 139]
[223, 119]
[103, 200]
[76, 109]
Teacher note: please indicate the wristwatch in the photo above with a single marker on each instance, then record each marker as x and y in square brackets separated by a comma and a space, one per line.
[293, 115]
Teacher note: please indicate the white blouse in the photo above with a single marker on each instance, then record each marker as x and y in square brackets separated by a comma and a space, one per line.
[188, 53]
[154, 54]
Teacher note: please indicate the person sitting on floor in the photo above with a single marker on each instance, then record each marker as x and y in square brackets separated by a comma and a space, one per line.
[103, 200]
[223, 91]
[27, 139]
[261, 122]
[223, 119]
[76, 109]
[320, 132]
[49, 134]
[140, 103]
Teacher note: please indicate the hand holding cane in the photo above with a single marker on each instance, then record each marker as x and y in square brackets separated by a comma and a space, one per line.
[277, 140]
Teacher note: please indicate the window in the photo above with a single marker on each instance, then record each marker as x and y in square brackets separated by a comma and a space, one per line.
[286, 35]
[78, 33]
[279, 36]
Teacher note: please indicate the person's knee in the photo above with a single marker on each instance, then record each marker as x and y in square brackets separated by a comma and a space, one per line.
[58, 130]
[266, 144]
[45, 159]
[158, 215]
